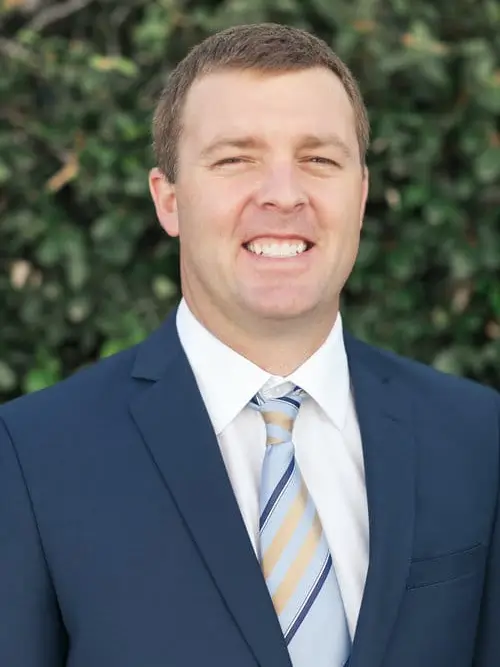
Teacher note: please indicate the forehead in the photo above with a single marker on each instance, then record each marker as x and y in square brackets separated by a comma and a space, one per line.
[271, 106]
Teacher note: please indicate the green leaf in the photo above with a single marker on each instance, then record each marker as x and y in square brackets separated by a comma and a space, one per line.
[8, 378]
[488, 165]
[114, 64]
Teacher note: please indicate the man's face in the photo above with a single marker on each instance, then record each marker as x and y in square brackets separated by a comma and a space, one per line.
[268, 165]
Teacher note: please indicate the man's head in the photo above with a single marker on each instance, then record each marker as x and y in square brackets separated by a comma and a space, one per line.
[260, 138]
[266, 48]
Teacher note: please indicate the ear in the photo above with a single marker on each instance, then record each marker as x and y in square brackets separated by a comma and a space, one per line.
[165, 201]
[364, 194]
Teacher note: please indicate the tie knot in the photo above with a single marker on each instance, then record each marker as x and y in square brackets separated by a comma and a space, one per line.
[279, 414]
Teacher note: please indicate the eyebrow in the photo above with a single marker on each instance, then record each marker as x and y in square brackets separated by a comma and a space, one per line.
[243, 143]
[306, 141]
[325, 140]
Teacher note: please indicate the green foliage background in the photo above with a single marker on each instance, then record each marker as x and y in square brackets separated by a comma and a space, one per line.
[84, 268]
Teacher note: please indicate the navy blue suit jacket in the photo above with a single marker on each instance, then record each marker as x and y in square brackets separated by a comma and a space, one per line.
[122, 545]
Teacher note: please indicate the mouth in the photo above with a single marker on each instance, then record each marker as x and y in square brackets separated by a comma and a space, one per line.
[278, 248]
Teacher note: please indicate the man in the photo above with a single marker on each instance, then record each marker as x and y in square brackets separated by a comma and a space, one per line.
[251, 485]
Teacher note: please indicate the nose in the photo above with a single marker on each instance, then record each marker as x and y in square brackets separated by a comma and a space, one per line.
[281, 189]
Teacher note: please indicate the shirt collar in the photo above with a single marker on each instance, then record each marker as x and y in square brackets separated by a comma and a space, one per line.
[227, 380]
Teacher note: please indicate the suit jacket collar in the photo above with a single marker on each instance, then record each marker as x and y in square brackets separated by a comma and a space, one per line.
[176, 428]
[384, 407]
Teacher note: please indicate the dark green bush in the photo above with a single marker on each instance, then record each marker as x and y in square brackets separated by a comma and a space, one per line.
[84, 267]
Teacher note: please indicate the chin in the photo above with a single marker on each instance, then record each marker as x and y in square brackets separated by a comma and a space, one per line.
[281, 310]
[279, 303]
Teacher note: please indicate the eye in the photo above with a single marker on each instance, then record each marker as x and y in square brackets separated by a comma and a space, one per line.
[229, 160]
[318, 159]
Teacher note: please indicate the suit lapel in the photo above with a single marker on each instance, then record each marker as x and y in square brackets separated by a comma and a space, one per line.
[388, 447]
[175, 426]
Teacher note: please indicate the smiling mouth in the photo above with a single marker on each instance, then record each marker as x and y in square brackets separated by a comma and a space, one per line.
[280, 250]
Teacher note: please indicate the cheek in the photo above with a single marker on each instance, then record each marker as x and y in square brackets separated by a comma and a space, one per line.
[339, 206]
[218, 207]
[207, 224]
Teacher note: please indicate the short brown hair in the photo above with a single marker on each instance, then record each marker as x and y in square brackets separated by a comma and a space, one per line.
[264, 47]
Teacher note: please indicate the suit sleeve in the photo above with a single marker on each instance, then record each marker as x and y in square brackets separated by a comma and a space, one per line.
[31, 632]
[487, 652]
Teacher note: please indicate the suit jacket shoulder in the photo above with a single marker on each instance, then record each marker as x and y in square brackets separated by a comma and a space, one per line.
[73, 398]
[421, 379]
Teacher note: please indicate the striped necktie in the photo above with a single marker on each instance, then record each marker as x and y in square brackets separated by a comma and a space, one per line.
[293, 551]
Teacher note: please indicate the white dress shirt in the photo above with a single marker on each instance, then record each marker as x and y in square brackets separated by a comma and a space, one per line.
[326, 436]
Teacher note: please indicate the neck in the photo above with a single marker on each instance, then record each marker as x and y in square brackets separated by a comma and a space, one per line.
[278, 347]
[277, 356]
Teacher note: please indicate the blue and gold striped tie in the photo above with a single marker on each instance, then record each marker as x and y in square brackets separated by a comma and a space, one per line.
[294, 554]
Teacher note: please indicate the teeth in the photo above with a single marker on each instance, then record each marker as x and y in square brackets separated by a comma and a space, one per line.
[277, 249]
